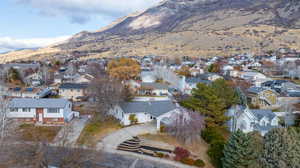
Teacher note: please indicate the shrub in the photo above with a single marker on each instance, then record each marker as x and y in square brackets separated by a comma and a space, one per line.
[211, 134]
[199, 163]
[162, 129]
[181, 153]
[215, 152]
[160, 155]
[187, 161]
[133, 119]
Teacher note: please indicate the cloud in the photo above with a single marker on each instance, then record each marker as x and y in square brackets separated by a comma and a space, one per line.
[80, 11]
[10, 44]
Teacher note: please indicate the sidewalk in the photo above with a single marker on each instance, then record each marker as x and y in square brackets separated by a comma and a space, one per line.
[71, 132]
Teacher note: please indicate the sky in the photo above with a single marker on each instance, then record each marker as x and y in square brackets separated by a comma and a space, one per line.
[38, 23]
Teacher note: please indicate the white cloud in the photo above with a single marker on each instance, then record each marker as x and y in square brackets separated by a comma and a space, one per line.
[80, 11]
[10, 44]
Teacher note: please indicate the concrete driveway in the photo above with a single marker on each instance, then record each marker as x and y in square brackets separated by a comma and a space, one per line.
[113, 140]
[69, 134]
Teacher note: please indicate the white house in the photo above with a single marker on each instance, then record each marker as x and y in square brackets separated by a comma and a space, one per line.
[41, 111]
[249, 120]
[148, 76]
[73, 91]
[144, 111]
[252, 76]
[156, 89]
[188, 84]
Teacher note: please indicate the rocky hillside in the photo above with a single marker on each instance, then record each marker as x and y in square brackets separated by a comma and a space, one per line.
[194, 28]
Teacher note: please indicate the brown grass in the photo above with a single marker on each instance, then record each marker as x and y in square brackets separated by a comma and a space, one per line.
[96, 130]
[30, 132]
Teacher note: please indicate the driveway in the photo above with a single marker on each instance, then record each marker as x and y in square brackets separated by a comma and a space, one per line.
[70, 133]
[113, 140]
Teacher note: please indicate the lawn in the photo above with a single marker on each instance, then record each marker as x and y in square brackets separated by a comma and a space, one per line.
[94, 131]
[199, 148]
[30, 132]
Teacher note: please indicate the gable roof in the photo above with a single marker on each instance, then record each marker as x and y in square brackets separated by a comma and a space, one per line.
[155, 108]
[37, 103]
[259, 114]
[73, 86]
[197, 80]
[154, 85]
[255, 90]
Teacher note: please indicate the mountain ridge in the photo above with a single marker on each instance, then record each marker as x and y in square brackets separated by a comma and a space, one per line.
[194, 28]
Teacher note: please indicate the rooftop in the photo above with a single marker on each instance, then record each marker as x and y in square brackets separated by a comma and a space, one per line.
[37, 103]
[73, 86]
[155, 108]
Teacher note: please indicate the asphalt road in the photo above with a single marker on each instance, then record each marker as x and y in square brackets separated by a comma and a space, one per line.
[88, 159]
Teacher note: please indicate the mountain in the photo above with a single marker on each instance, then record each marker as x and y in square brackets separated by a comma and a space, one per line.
[193, 28]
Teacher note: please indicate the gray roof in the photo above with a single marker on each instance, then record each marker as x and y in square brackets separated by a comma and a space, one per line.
[73, 86]
[255, 90]
[155, 108]
[259, 114]
[37, 103]
[154, 85]
[197, 80]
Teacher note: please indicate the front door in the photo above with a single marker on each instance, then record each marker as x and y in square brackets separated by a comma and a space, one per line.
[39, 115]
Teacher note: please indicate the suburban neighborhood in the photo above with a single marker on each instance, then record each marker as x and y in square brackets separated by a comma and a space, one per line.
[150, 84]
[172, 109]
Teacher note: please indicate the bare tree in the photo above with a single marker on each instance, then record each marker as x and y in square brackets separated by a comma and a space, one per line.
[3, 117]
[106, 93]
[186, 125]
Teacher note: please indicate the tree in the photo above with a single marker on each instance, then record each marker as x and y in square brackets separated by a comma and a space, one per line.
[184, 71]
[205, 100]
[281, 149]
[225, 92]
[214, 68]
[14, 76]
[124, 69]
[106, 93]
[186, 125]
[3, 117]
[239, 152]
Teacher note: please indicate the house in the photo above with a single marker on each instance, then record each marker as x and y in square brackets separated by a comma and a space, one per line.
[41, 111]
[85, 78]
[148, 76]
[23, 92]
[35, 79]
[155, 89]
[211, 76]
[144, 111]
[251, 75]
[73, 91]
[249, 120]
[262, 97]
[188, 84]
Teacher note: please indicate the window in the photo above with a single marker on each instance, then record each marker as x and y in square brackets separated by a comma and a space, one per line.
[53, 110]
[13, 109]
[25, 109]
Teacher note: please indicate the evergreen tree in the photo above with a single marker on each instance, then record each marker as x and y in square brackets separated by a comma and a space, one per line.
[239, 152]
[225, 92]
[281, 149]
[205, 101]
